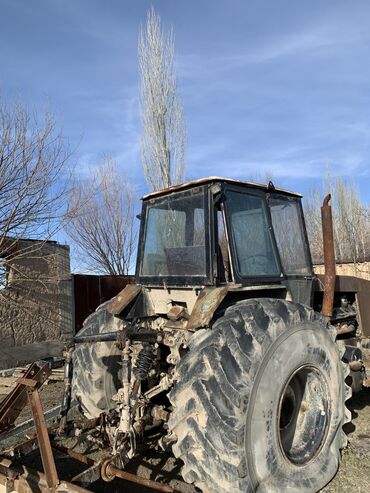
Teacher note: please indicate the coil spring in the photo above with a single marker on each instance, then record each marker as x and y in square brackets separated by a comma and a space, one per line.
[143, 363]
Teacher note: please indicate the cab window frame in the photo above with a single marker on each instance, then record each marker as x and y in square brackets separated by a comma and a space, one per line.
[177, 280]
[303, 230]
[238, 276]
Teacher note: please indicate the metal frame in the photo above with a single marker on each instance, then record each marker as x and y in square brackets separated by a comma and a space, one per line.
[302, 223]
[251, 280]
[23, 479]
[211, 262]
[11, 406]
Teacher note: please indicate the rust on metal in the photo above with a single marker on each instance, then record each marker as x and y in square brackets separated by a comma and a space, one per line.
[12, 405]
[176, 312]
[22, 478]
[327, 199]
[16, 400]
[208, 301]
[361, 288]
[329, 258]
[109, 472]
[28, 382]
[73, 454]
[362, 299]
[209, 180]
[46, 453]
[124, 298]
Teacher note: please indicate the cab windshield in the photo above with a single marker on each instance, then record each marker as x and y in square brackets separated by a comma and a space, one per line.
[175, 236]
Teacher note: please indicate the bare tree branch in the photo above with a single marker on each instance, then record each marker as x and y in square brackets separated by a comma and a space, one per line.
[350, 218]
[102, 224]
[33, 182]
[164, 133]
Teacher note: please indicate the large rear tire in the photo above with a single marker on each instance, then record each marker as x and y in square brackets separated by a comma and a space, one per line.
[96, 366]
[259, 404]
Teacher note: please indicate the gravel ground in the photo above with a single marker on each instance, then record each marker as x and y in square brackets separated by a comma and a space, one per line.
[353, 475]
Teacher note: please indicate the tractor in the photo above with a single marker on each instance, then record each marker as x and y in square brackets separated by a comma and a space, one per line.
[227, 342]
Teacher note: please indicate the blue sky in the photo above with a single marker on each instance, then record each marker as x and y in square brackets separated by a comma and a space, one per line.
[278, 88]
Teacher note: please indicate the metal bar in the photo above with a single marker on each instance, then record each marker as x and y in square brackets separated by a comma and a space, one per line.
[109, 336]
[73, 454]
[109, 472]
[132, 333]
[28, 425]
[43, 439]
[66, 403]
[88, 476]
[329, 259]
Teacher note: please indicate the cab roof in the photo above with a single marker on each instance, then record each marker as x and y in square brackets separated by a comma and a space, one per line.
[217, 179]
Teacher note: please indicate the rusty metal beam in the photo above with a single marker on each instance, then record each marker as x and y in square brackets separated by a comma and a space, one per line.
[208, 301]
[109, 472]
[124, 298]
[329, 258]
[73, 454]
[358, 286]
[43, 439]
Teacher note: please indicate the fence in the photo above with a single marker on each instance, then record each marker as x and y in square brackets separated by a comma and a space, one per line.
[91, 291]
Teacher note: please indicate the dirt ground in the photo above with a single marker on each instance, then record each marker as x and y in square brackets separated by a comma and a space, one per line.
[354, 471]
[50, 395]
[353, 475]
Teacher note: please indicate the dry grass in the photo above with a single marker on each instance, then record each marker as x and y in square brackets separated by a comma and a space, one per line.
[354, 471]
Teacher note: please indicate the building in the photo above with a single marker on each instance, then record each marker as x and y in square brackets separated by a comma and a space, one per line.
[36, 302]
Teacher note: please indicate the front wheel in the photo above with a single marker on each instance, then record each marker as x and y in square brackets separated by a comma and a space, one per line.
[259, 405]
[97, 365]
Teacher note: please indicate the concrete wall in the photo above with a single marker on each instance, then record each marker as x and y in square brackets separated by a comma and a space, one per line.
[36, 305]
[360, 269]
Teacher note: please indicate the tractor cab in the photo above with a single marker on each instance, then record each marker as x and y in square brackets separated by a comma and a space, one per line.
[217, 231]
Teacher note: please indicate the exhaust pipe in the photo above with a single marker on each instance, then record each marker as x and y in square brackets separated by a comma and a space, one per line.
[329, 258]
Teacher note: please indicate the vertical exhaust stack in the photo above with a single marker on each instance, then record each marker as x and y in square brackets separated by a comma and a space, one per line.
[329, 258]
